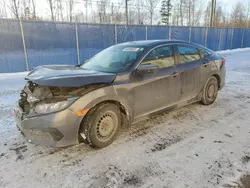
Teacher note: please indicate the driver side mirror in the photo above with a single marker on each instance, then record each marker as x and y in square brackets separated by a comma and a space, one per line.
[147, 69]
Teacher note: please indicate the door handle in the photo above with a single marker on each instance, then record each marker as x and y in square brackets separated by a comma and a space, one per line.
[205, 64]
[175, 74]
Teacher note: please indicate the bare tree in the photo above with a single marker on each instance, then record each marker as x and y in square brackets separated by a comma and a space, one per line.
[191, 11]
[219, 17]
[102, 10]
[34, 9]
[207, 14]
[194, 11]
[238, 16]
[112, 13]
[71, 4]
[176, 16]
[15, 8]
[138, 7]
[51, 7]
[86, 4]
[150, 5]
[185, 9]
[3, 10]
[23, 9]
[26, 9]
[188, 12]
[90, 4]
[199, 7]
[115, 15]
[59, 10]
[181, 11]
[248, 14]
[189, 5]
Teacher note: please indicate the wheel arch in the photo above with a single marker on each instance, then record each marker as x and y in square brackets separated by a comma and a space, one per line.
[125, 113]
[218, 79]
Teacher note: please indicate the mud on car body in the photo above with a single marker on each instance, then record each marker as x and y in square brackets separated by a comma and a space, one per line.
[66, 105]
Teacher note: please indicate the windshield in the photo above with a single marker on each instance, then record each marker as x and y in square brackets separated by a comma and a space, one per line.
[114, 59]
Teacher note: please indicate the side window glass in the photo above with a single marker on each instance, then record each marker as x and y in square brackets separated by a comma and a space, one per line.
[163, 57]
[204, 53]
[188, 54]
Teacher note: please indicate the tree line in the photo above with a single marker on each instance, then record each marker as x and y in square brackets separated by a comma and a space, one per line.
[141, 12]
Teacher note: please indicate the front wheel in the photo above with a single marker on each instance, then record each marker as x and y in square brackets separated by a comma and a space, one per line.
[210, 91]
[99, 128]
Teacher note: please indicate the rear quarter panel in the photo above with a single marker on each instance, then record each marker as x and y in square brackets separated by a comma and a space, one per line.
[217, 68]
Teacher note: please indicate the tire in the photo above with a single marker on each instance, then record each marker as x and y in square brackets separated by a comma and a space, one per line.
[210, 91]
[99, 128]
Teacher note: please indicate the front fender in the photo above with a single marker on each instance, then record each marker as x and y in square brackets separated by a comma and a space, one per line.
[100, 95]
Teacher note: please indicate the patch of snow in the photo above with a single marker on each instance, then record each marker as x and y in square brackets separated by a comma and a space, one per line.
[234, 50]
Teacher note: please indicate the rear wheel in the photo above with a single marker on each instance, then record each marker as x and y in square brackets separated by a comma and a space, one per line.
[210, 91]
[100, 126]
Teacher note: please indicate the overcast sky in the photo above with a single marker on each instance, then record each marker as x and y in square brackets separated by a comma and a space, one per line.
[231, 3]
[42, 4]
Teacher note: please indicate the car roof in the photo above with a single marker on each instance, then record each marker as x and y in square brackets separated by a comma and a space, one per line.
[152, 43]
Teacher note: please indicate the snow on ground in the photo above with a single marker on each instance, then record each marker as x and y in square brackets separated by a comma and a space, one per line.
[195, 146]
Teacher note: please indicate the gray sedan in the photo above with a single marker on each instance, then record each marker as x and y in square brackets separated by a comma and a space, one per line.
[123, 84]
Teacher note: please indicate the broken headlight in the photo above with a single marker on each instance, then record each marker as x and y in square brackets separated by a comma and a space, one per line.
[45, 108]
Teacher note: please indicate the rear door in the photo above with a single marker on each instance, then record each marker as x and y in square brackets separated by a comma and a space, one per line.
[190, 69]
[156, 91]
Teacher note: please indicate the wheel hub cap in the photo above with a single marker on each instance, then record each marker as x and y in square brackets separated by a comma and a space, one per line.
[211, 91]
[106, 126]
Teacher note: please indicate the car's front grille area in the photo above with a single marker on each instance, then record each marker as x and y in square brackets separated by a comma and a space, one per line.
[40, 135]
[46, 134]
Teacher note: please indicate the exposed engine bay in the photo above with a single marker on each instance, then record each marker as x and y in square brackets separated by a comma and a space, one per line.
[34, 94]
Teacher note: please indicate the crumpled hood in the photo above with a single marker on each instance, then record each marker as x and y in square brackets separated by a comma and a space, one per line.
[68, 76]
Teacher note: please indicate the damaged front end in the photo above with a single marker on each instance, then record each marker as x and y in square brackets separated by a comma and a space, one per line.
[37, 100]
[42, 113]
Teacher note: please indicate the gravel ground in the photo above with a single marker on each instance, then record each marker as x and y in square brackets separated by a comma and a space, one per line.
[195, 146]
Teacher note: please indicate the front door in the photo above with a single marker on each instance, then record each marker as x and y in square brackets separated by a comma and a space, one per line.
[155, 91]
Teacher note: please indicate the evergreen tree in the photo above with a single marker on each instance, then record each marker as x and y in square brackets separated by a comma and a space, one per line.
[166, 8]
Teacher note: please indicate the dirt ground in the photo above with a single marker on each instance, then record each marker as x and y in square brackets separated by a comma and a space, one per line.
[195, 146]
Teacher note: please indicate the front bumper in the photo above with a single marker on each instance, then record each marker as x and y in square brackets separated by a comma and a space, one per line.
[58, 129]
